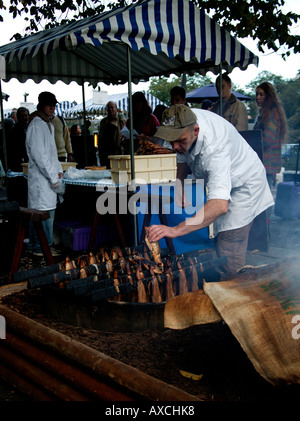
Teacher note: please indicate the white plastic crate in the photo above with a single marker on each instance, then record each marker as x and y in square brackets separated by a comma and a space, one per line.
[148, 168]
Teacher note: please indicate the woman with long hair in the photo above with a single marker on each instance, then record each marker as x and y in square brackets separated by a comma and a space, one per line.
[271, 120]
[145, 122]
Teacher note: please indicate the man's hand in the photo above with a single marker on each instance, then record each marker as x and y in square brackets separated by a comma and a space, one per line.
[58, 187]
[211, 210]
[156, 232]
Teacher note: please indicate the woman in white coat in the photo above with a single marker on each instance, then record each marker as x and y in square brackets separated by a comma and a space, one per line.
[44, 169]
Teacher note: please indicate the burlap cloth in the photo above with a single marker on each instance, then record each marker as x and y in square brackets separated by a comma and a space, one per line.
[261, 308]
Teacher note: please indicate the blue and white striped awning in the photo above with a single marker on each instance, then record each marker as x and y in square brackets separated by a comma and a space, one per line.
[121, 100]
[63, 107]
[164, 37]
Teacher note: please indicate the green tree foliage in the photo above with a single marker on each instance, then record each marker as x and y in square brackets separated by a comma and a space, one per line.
[160, 86]
[290, 98]
[289, 93]
[262, 20]
[278, 82]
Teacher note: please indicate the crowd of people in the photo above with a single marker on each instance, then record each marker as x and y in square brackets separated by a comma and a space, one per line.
[207, 142]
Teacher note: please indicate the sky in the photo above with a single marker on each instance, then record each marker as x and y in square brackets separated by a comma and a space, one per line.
[271, 62]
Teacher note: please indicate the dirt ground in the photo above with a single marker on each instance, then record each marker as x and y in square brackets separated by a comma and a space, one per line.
[209, 351]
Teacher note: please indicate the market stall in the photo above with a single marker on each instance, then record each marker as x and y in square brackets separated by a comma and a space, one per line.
[144, 40]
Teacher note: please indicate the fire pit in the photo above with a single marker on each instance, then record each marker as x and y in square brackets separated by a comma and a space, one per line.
[120, 290]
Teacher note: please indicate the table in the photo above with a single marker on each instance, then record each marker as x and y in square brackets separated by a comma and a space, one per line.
[82, 194]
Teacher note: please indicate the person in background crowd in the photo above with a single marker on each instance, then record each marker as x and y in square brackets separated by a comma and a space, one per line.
[75, 130]
[271, 120]
[145, 122]
[233, 110]
[206, 105]
[77, 142]
[158, 111]
[15, 145]
[13, 115]
[237, 186]
[109, 135]
[44, 169]
[8, 125]
[177, 94]
[62, 139]
[86, 128]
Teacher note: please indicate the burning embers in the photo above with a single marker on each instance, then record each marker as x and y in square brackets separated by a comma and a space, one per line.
[136, 275]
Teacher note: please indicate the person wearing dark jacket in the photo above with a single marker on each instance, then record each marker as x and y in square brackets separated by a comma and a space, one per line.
[233, 110]
[110, 134]
[16, 148]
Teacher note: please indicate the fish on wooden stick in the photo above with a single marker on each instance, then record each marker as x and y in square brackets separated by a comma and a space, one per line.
[194, 282]
[154, 248]
[108, 262]
[114, 254]
[69, 265]
[116, 284]
[141, 291]
[169, 287]
[183, 288]
[154, 291]
[92, 260]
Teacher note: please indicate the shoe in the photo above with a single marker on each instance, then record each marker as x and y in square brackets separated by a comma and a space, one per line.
[37, 253]
[55, 252]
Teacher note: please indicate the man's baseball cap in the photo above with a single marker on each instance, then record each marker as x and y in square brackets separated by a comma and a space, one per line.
[47, 98]
[174, 120]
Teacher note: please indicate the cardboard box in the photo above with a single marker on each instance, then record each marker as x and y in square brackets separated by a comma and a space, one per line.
[148, 168]
[94, 168]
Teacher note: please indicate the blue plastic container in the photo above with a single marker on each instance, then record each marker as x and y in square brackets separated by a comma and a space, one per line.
[75, 234]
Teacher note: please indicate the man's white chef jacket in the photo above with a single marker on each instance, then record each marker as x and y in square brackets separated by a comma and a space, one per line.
[235, 172]
[43, 165]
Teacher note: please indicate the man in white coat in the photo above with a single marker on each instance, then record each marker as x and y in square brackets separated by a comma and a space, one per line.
[44, 169]
[236, 179]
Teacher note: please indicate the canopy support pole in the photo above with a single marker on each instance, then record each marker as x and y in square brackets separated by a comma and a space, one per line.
[3, 132]
[220, 92]
[130, 113]
[183, 80]
[84, 123]
[131, 135]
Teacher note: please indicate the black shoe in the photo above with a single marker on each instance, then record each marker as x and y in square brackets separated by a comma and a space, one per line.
[55, 252]
[38, 253]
